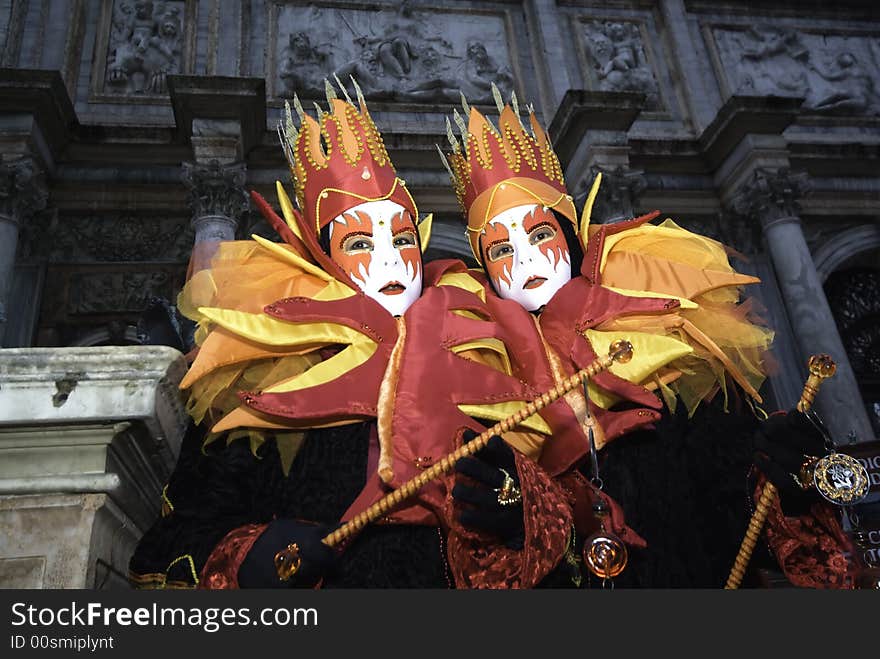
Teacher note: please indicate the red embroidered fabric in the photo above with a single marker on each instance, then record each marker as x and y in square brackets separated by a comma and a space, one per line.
[221, 568]
[811, 549]
[477, 562]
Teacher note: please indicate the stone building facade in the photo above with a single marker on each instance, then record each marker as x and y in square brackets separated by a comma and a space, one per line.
[132, 129]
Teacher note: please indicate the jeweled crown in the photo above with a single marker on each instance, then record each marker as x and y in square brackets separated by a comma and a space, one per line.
[495, 169]
[338, 160]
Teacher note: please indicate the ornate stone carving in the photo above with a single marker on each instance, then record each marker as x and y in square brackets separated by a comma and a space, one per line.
[216, 190]
[618, 193]
[116, 292]
[836, 74]
[771, 194]
[115, 237]
[395, 54]
[854, 298]
[146, 44]
[23, 190]
[617, 57]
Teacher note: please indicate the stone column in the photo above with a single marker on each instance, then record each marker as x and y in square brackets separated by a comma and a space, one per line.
[22, 193]
[217, 197]
[771, 197]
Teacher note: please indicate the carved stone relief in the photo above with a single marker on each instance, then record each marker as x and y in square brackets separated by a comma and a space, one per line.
[769, 195]
[854, 297]
[216, 189]
[23, 189]
[618, 61]
[73, 291]
[115, 238]
[397, 54]
[145, 45]
[618, 193]
[836, 74]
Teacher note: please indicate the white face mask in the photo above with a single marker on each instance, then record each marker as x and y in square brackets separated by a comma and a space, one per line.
[377, 244]
[525, 255]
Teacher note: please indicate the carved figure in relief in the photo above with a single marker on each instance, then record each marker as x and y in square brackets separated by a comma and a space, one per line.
[774, 60]
[145, 46]
[479, 71]
[619, 60]
[302, 64]
[851, 88]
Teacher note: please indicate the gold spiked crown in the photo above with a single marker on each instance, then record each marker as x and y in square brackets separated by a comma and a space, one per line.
[495, 169]
[339, 160]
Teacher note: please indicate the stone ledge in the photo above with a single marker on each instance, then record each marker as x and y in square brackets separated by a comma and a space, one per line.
[94, 385]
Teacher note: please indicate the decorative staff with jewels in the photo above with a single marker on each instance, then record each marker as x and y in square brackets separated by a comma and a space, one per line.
[839, 478]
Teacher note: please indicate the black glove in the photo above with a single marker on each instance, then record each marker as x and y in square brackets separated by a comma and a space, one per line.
[478, 499]
[782, 445]
[257, 570]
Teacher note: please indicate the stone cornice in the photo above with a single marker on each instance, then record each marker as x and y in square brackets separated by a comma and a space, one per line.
[86, 385]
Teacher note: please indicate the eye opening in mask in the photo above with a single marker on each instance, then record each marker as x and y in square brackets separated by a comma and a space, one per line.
[404, 239]
[499, 249]
[356, 242]
[541, 233]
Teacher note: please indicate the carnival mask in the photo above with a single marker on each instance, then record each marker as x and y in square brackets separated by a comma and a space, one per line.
[525, 255]
[377, 245]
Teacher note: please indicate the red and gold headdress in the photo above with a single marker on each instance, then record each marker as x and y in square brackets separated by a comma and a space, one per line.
[495, 169]
[339, 161]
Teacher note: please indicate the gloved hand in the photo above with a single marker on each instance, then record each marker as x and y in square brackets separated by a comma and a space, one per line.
[258, 570]
[480, 498]
[782, 444]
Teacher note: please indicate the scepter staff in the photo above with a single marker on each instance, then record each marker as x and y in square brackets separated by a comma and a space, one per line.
[619, 351]
[821, 367]
[288, 560]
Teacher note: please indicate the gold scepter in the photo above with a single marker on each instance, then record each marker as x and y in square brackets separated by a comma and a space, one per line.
[287, 561]
[821, 367]
[619, 351]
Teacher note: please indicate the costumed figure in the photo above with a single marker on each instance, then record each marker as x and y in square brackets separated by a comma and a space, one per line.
[330, 368]
[564, 289]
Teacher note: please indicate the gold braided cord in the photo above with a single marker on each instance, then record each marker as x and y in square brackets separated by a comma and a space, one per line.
[619, 351]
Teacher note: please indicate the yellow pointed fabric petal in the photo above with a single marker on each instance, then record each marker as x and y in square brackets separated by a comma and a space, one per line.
[265, 329]
[289, 444]
[465, 281]
[650, 353]
[328, 370]
[500, 411]
[292, 258]
[494, 345]
[244, 417]
[221, 349]
[287, 209]
[334, 290]
[425, 231]
[683, 301]
[587, 213]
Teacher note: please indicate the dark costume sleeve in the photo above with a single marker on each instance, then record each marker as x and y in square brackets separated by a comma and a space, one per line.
[477, 562]
[209, 494]
[684, 488]
[223, 500]
[811, 549]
